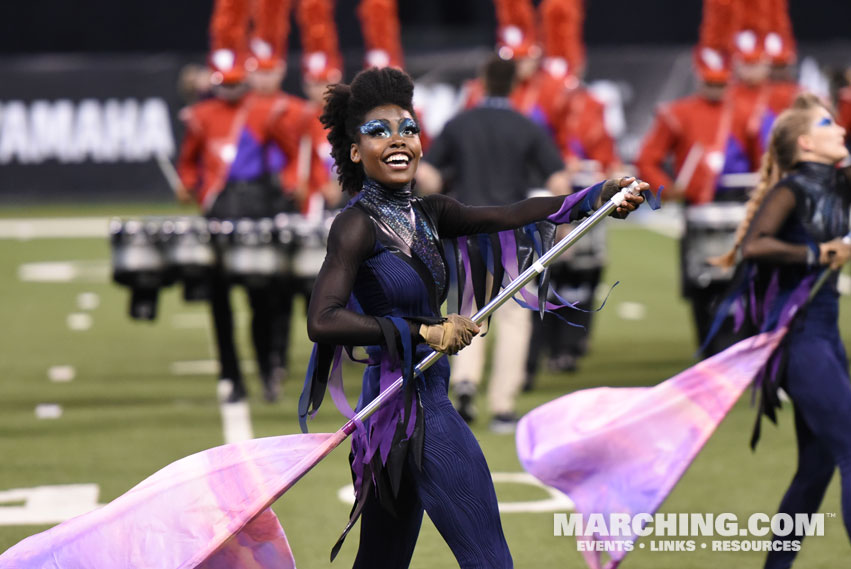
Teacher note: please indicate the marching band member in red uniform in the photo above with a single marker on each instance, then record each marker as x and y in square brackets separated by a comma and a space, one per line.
[843, 111]
[321, 66]
[381, 36]
[703, 134]
[577, 120]
[517, 40]
[225, 164]
[779, 43]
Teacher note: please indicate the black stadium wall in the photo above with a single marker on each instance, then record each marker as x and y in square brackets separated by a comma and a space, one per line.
[46, 26]
[88, 97]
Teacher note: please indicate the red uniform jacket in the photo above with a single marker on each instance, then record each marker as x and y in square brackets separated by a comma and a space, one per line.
[781, 94]
[687, 129]
[583, 134]
[843, 111]
[226, 142]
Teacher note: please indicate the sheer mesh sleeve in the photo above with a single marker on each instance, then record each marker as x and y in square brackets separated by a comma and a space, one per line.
[455, 219]
[350, 241]
[761, 242]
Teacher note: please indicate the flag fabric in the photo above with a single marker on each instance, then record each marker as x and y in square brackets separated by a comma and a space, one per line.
[210, 510]
[622, 450]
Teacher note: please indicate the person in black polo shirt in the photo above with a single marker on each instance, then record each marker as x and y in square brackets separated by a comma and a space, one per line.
[493, 155]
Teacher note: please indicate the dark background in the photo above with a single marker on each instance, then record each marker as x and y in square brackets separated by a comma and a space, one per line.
[45, 26]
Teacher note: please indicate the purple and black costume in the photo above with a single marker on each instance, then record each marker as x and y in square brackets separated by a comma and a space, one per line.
[385, 273]
[810, 206]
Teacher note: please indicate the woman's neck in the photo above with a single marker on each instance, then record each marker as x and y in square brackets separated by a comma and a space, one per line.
[400, 195]
[817, 158]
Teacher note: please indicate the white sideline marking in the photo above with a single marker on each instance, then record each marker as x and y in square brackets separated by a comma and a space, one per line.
[53, 227]
[47, 504]
[48, 411]
[205, 367]
[88, 300]
[632, 311]
[236, 417]
[236, 422]
[61, 374]
[66, 271]
[79, 321]
[557, 502]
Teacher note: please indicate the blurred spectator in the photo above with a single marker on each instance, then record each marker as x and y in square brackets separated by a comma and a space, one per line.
[484, 156]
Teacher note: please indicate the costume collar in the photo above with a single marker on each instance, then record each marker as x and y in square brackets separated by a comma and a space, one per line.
[816, 170]
[496, 103]
[377, 191]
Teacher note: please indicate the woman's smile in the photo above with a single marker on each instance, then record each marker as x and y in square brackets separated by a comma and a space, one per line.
[388, 146]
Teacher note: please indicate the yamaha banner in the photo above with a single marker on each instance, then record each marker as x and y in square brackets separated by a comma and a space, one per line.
[105, 128]
[85, 127]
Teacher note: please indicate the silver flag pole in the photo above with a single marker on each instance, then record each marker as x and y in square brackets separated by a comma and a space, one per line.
[504, 296]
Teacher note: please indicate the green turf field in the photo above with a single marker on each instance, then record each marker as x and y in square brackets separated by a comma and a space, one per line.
[126, 413]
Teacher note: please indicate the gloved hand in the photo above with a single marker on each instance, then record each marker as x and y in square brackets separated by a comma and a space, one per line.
[630, 202]
[451, 335]
[835, 252]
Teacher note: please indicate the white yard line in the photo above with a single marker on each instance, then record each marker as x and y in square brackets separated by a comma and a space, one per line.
[48, 411]
[54, 227]
[79, 321]
[47, 504]
[61, 374]
[236, 417]
[65, 271]
[236, 422]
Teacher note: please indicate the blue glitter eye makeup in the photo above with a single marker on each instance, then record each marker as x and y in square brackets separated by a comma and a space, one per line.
[825, 121]
[379, 128]
[375, 128]
[408, 127]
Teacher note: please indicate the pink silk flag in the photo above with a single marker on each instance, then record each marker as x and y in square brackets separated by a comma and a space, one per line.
[622, 450]
[210, 510]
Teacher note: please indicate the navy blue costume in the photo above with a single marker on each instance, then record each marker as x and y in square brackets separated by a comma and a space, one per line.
[809, 207]
[384, 263]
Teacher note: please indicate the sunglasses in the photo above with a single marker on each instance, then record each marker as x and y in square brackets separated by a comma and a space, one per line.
[380, 128]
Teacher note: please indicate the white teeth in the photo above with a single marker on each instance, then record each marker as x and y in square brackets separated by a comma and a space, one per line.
[397, 159]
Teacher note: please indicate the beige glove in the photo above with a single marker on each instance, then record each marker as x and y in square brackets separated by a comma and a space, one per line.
[450, 335]
[835, 253]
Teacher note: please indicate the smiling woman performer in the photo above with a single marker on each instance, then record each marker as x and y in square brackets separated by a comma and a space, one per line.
[381, 286]
[796, 231]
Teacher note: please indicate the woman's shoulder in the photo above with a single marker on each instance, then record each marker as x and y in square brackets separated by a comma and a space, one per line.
[352, 228]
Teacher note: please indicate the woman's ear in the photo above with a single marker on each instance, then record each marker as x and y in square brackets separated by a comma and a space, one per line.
[354, 153]
[805, 142]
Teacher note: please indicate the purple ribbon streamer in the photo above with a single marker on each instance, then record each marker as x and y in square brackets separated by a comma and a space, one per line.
[563, 215]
